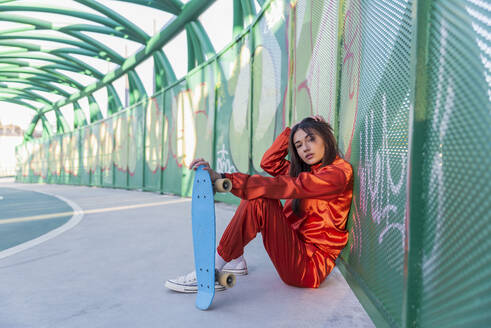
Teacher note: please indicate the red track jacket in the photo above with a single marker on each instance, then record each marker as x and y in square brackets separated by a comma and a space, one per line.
[325, 194]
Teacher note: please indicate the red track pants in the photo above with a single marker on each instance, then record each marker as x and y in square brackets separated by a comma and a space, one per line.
[286, 250]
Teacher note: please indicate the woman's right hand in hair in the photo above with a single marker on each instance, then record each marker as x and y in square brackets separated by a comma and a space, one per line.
[318, 118]
[200, 161]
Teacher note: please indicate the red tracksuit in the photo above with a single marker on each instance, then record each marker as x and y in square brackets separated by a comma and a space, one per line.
[302, 248]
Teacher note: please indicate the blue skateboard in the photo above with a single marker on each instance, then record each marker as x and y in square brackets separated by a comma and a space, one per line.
[204, 234]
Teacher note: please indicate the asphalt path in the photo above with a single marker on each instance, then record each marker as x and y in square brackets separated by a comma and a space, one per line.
[26, 215]
[108, 268]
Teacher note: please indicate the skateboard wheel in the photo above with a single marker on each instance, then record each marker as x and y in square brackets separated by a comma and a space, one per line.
[223, 185]
[226, 279]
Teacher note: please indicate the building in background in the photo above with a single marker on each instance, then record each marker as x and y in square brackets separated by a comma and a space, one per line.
[10, 136]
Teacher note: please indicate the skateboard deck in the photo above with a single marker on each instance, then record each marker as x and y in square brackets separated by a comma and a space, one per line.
[204, 238]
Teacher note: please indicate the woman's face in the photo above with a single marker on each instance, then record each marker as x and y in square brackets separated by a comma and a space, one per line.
[310, 146]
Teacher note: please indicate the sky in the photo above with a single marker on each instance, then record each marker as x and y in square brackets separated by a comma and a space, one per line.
[217, 21]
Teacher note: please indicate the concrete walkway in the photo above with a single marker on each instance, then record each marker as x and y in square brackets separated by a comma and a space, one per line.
[109, 270]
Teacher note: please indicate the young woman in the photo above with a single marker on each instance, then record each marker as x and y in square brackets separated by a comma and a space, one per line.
[303, 238]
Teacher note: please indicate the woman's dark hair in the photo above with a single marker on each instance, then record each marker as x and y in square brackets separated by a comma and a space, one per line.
[297, 165]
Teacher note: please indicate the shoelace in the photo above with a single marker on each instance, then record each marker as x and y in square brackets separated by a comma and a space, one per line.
[190, 277]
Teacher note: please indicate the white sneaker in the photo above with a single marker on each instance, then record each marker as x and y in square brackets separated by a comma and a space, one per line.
[237, 267]
[188, 284]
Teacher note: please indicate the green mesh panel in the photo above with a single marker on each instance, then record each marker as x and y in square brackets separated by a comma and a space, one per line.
[120, 159]
[51, 166]
[378, 151]
[27, 167]
[173, 139]
[239, 122]
[43, 163]
[107, 150]
[136, 122]
[44, 158]
[350, 74]
[232, 129]
[59, 159]
[198, 111]
[75, 158]
[315, 46]
[153, 143]
[65, 158]
[55, 159]
[31, 162]
[456, 263]
[85, 150]
[95, 155]
[27, 163]
[166, 136]
[269, 80]
[81, 171]
[33, 168]
[29, 174]
[20, 160]
[36, 163]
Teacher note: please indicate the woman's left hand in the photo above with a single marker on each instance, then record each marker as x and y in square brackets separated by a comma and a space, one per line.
[200, 161]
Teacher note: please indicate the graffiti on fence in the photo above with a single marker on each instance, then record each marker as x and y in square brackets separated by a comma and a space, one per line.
[350, 78]
[223, 162]
[378, 188]
[153, 135]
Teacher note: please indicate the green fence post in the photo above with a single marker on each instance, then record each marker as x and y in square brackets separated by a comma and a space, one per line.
[215, 111]
[337, 107]
[113, 167]
[251, 98]
[144, 109]
[126, 170]
[162, 147]
[413, 249]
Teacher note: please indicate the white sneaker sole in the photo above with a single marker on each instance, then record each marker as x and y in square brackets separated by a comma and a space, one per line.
[237, 272]
[181, 288]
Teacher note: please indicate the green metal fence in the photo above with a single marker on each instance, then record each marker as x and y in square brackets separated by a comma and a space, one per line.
[406, 84]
